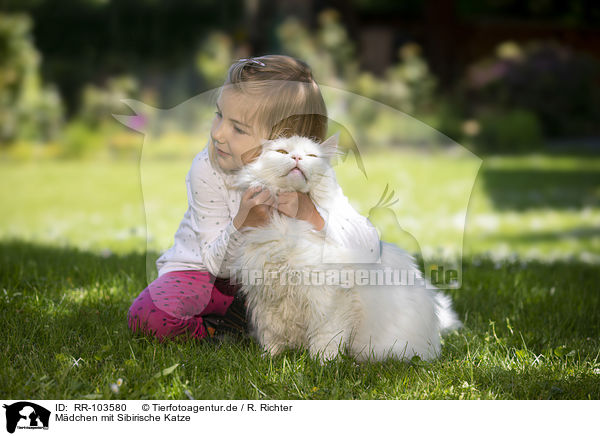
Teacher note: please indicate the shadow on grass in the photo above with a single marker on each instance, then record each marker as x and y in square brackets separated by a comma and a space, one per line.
[65, 303]
[559, 299]
[545, 236]
[61, 304]
[50, 289]
[525, 189]
[27, 264]
[548, 303]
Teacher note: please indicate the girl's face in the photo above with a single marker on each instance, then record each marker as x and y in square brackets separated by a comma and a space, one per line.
[235, 143]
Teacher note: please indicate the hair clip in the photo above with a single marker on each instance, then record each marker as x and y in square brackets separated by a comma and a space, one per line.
[252, 60]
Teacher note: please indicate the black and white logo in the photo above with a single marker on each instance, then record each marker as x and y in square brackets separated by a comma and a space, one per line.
[26, 415]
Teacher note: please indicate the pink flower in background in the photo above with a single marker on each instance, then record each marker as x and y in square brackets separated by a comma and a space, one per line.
[137, 122]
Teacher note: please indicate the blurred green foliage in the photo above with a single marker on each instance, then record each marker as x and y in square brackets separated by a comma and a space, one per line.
[514, 130]
[214, 57]
[88, 41]
[510, 101]
[328, 50]
[29, 110]
[99, 102]
[407, 85]
[93, 131]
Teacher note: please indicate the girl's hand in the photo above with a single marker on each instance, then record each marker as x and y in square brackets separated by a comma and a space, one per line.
[255, 208]
[299, 205]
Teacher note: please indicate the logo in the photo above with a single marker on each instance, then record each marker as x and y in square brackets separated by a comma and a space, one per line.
[26, 415]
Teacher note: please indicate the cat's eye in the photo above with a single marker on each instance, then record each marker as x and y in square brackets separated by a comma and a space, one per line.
[282, 151]
[312, 155]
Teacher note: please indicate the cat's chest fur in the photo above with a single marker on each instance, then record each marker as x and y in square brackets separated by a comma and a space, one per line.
[270, 263]
[283, 242]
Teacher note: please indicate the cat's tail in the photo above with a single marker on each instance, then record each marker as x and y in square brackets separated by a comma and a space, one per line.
[448, 318]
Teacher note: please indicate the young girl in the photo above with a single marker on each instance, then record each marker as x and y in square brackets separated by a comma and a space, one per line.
[262, 98]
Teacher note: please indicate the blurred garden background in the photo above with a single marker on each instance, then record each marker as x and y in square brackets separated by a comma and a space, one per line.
[497, 100]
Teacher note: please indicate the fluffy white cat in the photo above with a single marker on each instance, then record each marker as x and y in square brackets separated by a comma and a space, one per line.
[369, 321]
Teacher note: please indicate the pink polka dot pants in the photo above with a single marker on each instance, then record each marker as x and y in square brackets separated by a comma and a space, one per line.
[175, 302]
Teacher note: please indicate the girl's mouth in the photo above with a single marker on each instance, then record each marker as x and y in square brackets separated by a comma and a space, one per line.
[222, 153]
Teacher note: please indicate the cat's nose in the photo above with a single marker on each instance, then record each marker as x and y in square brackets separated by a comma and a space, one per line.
[296, 158]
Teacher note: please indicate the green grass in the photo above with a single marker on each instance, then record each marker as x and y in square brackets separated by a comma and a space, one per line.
[72, 258]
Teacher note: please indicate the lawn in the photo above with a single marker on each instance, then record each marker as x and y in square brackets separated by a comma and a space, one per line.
[74, 254]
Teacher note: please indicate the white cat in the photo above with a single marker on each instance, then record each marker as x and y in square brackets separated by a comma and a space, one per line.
[369, 321]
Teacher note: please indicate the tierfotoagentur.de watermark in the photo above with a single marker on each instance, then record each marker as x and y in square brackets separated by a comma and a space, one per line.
[342, 277]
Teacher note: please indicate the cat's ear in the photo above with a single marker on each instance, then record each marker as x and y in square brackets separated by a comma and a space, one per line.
[264, 141]
[331, 143]
[330, 149]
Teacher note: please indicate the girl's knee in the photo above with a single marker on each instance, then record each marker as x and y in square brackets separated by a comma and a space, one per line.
[143, 316]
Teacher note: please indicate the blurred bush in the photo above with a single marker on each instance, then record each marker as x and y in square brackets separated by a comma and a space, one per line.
[407, 86]
[510, 101]
[557, 85]
[515, 130]
[328, 50]
[29, 111]
[214, 58]
[98, 103]
[93, 131]
[447, 117]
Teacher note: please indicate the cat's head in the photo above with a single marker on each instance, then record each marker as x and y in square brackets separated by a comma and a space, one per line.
[296, 163]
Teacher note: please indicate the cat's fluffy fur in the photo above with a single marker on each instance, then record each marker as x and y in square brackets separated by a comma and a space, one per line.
[368, 321]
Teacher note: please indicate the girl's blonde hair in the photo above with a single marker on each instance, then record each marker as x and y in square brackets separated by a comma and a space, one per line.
[288, 100]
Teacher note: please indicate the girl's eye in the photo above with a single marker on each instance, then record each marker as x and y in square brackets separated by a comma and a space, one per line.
[313, 155]
[236, 128]
[282, 151]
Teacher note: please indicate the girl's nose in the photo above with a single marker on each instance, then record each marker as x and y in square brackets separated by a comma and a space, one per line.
[217, 132]
[218, 138]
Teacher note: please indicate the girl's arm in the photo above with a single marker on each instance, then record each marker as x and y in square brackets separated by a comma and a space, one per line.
[341, 223]
[217, 237]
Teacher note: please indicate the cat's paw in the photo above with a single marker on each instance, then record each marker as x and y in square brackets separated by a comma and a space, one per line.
[272, 349]
[324, 355]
